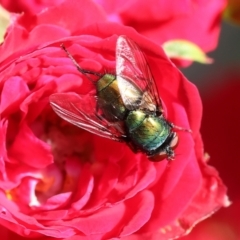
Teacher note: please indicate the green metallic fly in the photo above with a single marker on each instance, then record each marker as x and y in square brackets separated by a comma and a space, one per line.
[127, 106]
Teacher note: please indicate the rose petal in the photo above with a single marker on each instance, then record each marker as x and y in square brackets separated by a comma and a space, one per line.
[14, 90]
[139, 211]
[94, 226]
[30, 150]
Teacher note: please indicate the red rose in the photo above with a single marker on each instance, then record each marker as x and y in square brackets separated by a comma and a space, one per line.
[162, 21]
[60, 181]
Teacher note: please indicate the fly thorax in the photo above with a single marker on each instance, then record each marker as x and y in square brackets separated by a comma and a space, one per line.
[109, 99]
[105, 81]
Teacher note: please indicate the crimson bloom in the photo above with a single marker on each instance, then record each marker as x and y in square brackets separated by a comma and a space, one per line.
[59, 181]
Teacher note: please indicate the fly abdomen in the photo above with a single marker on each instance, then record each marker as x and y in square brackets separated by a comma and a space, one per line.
[147, 131]
[109, 99]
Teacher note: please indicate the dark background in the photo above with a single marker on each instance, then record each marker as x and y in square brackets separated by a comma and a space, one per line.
[226, 58]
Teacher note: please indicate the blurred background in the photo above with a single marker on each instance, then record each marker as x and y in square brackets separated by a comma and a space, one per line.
[226, 59]
[219, 87]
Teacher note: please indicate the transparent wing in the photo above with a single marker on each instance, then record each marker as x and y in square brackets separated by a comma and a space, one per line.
[81, 111]
[135, 81]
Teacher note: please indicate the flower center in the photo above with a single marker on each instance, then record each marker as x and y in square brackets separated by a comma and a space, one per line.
[70, 148]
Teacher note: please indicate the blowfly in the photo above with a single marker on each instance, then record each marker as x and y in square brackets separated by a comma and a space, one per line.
[127, 106]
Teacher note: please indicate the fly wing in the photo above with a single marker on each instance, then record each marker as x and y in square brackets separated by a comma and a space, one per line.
[80, 110]
[135, 81]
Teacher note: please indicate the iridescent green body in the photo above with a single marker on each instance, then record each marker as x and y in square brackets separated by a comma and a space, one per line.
[145, 130]
[109, 98]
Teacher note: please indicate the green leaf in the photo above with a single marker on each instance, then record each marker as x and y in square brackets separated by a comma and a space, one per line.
[185, 50]
[4, 22]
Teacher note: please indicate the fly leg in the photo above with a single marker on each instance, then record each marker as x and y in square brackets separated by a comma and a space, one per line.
[172, 125]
